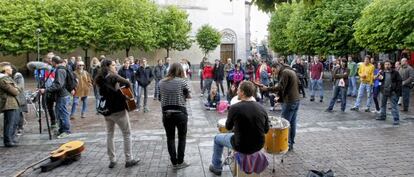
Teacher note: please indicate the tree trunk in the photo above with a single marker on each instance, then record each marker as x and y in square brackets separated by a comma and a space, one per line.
[86, 59]
[27, 61]
[168, 53]
[127, 51]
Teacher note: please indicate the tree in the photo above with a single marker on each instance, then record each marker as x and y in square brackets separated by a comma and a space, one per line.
[69, 26]
[271, 5]
[18, 24]
[174, 30]
[127, 24]
[208, 38]
[386, 25]
[277, 29]
[300, 31]
[334, 21]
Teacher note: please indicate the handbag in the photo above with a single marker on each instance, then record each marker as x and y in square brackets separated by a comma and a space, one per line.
[103, 108]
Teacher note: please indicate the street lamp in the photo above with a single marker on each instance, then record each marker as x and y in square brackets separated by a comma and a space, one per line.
[38, 31]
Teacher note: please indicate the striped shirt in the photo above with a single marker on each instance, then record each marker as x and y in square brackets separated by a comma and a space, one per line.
[174, 92]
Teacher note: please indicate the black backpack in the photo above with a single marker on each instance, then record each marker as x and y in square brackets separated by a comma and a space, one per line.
[71, 80]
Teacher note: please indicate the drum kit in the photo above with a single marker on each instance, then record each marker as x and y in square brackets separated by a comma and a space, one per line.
[276, 139]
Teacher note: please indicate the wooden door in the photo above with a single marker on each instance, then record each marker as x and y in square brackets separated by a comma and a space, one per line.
[227, 51]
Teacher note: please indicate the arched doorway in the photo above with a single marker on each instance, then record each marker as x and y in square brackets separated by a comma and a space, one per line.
[228, 45]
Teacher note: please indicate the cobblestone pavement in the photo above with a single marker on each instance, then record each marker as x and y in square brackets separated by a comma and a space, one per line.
[350, 143]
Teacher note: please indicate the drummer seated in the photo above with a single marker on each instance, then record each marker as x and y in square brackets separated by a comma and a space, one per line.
[249, 122]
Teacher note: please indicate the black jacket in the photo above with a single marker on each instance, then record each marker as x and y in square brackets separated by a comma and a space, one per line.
[159, 72]
[109, 90]
[123, 73]
[218, 72]
[58, 86]
[396, 83]
[251, 123]
[144, 76]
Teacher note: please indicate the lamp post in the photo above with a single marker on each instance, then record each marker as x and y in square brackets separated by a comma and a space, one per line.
[38, 31]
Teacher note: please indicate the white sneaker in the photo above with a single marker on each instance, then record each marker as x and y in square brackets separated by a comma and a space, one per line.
[271, 108]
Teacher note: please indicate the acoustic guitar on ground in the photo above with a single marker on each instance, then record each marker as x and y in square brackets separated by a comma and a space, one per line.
[66, 154]
[129, 98]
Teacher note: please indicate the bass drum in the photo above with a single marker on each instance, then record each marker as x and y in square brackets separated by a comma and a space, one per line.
[276, 140]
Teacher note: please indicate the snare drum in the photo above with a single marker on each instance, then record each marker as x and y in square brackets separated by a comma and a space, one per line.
[221, 124]
[276, 140]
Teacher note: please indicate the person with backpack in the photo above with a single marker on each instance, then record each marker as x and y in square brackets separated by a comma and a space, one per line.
[60, 87]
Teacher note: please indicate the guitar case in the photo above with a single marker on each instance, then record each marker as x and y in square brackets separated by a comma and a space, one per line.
[64, 161]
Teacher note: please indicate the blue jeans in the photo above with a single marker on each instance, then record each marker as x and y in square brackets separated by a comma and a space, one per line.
[10, 126]
[406, 96]
[157, 89]
[364, 87]
[76, 103]
[289, 112]
[97, 96]
[352, 86]
[315, 86]
[220, 141]
[62, 114]
[394, 106]
[338, 92]
[142, 89]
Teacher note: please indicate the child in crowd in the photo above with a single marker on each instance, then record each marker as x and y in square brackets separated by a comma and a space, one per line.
[213, 99]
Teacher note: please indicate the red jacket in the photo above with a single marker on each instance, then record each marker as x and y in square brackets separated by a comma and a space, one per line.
[208, 72]
[269, 70]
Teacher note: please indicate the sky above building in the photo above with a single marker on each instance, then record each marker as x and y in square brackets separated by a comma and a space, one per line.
[258, 24]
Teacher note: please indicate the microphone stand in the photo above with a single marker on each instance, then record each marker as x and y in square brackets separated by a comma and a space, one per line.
[42, 102]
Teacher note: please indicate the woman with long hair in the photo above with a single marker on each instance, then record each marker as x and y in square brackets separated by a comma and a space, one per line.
[108, 82]
[174, 91]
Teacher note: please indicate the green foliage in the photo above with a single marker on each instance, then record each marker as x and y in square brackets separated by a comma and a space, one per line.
[104, 25]
[300, 31]
[208, 38]
[277, 29]
[324, 28]
[334, 20]
[271, 5]
[18, 24]
[386, 25]
[127, 24]
[174, 30]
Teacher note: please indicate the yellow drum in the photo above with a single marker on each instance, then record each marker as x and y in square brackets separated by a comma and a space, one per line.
[276, 140]
[221, 124]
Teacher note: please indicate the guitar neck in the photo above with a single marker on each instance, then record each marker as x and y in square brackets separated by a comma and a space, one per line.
[32, 165]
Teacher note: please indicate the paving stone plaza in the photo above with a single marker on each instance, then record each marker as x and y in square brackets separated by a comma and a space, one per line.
[350, 143]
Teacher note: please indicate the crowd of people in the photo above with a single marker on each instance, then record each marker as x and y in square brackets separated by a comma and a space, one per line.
[254, 83]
